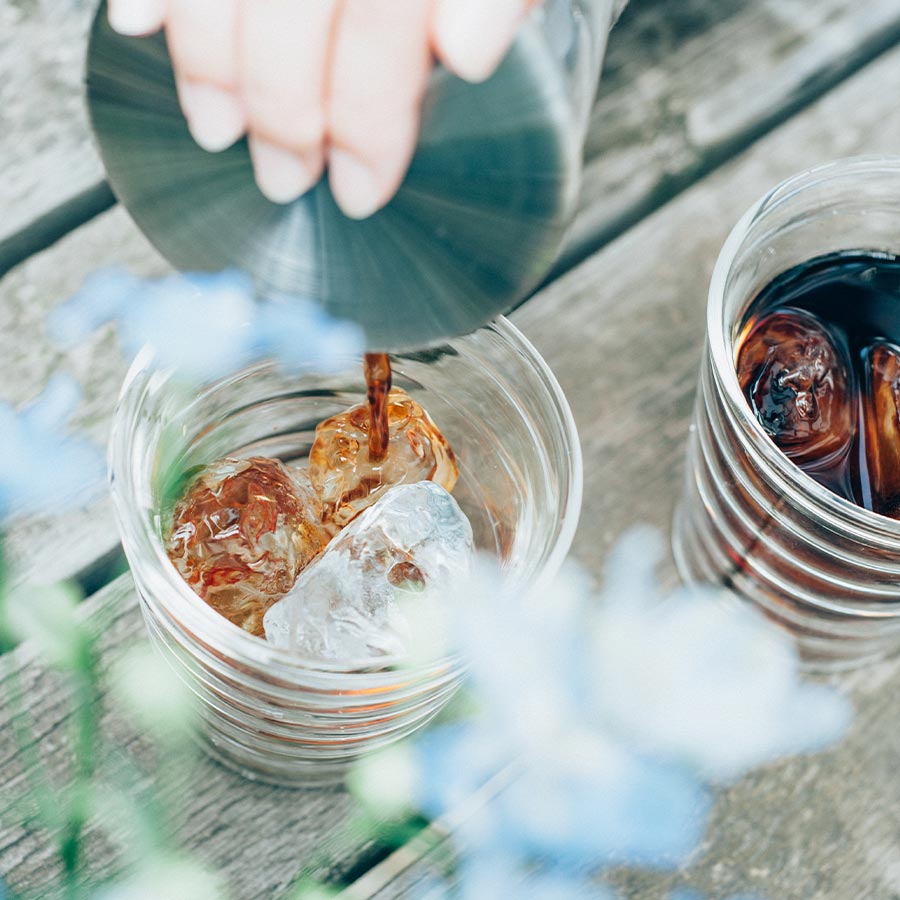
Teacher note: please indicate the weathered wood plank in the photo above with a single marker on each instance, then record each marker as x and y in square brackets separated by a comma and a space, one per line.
[684, 85]
[258, 837]
[624, 332]
[47, 155]
[688, 84]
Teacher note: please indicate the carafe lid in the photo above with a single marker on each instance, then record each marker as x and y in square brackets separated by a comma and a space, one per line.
[475, 225]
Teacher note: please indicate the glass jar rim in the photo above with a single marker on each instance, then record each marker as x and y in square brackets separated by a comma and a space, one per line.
[161, 578]
[865, 524]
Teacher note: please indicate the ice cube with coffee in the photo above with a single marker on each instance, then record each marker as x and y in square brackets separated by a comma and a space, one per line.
[818, 361]
[311, 557]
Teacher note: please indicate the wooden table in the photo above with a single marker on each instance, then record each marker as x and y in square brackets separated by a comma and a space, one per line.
[703, 106]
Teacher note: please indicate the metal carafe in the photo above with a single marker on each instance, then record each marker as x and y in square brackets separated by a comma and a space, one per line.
[474, 227]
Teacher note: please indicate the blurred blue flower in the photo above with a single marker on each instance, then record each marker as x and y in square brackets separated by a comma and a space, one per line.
[101, 299]
[605, 716]
[206, 325]
[592, 803]
[452, 762]
[581, 800]
[526, 652]
[699, 677]
[44, 468]
[302, 336]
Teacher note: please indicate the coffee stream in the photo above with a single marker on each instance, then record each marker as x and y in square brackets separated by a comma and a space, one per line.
[377, 371]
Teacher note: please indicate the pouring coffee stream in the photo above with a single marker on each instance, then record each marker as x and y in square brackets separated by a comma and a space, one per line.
[377, 371]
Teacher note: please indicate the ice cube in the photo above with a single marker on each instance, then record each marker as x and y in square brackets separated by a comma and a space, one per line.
[241, 534]
[881, 416]
[348, 480]
[344, 605]
[797, 378]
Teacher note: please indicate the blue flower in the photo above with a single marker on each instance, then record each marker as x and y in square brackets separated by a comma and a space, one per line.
[600, 720]
[580, 800]
[303, 337]
[200, 324]
[103, 297]
[699, 677]
[453, 762]
[587, 802]
[44, 468]
[206, 325]
[529, 679]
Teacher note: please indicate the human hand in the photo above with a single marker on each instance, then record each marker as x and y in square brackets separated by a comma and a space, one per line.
[316, 83]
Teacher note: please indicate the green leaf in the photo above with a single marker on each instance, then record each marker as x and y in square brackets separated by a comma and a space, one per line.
[46, 615]
[149, 691]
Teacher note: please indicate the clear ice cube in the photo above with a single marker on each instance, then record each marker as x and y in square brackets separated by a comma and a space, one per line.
[348, 481]
[241, 534]
[797, 377]
[344, 605]
[882, 427]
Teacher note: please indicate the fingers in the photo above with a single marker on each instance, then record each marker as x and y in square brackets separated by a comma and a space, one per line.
[283, 46]
[471, 37]
[202, 44]
[380, 65]
[136, 17]
[307, 77]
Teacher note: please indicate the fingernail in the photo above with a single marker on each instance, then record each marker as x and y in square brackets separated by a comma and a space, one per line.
[354, 185]
[475, 35]
[136, 17]
[214, 116]
[281, 175]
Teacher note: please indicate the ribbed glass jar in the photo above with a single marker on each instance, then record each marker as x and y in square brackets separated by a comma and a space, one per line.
[268, 713]
[821, 566]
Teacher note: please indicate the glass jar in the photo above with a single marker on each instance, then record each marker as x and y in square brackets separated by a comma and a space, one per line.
[269, 713]
[475, 226]
[824, 568]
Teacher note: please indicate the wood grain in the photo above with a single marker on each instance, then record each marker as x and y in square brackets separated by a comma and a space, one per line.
[687, 85]
[46, 152]
[59, 546]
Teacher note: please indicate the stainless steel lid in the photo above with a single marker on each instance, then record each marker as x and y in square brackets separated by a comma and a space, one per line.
[474, 227]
